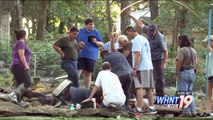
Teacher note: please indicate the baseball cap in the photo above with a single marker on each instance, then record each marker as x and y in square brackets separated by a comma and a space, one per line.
[152, 27]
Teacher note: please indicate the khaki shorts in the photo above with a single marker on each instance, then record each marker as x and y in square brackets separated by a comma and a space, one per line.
[144, 79]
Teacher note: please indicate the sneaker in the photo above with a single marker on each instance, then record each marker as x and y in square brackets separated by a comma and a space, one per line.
[23, 104]
[13, 97]
[135, 110]
[205, 114]
[151, 111]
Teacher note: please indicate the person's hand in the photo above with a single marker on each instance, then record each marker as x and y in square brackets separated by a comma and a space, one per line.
[134, 72]
[94, 40]
[209, 48]
[86, 100]
[128, 12]
[27, 67]
[81, 44]
[175, 77]
[62, 55]
[111, 37]
[163, 65]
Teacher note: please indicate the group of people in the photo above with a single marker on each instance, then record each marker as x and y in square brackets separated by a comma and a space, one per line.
[131, 62]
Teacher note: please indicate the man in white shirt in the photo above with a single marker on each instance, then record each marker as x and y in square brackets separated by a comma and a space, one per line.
[159, 53]
[110, 85]
[142, 68]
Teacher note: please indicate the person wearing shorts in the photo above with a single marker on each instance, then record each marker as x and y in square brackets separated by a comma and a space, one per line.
[142, 69]
[89, 40]
[207, 112]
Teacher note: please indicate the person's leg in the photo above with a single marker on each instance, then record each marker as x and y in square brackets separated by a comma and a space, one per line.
[139, 91]
[191, 78]
[80, 67]
[183, 86]
[18, 75]
[21, 77]
[209, 98]
[87, 78]
[132, 89]
[139, 98]
[158, 78]
[89, 68]
[125, 82]
[150, 96]
[71, 69]
[27, 79]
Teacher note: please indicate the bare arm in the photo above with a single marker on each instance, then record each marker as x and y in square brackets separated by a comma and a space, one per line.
[112, 44]
[126, 53]
[137, 62]
[98, 43]
[138, 22]
[58, 50]
[178, 67]
[92, 94]
[23, 58]
[165, 56]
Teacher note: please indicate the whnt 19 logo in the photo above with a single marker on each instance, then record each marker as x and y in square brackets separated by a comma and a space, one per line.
[175, 101]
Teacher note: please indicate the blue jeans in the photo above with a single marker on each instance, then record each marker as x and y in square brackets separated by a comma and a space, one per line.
[71, 69]
[185, 82]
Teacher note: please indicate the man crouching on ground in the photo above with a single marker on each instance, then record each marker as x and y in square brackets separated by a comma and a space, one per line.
[110, 85]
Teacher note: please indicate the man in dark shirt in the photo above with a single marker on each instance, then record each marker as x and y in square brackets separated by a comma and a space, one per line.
[121, 68]
[67, 47]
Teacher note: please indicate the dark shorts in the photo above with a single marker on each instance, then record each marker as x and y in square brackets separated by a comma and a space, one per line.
[210, 79]
[86, 64]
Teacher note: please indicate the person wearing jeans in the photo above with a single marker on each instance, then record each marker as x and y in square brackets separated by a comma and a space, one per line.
[185, 71]
[70, 66]
[185, 83]
[68, 49]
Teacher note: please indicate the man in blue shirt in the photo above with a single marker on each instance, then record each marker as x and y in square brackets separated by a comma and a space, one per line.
[89, 39]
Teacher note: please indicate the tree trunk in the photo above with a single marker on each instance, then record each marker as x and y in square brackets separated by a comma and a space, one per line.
[175, 31]
[61, 27]
[182, 21]
[153, 5]
[41, 20]
[89, 7]
[125, 20]
[16, 17]
[48, 17]
[109, 18]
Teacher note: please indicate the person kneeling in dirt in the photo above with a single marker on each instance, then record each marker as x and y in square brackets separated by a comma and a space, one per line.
[113, 94]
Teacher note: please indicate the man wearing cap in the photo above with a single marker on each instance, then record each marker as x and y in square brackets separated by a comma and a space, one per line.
[158, 53]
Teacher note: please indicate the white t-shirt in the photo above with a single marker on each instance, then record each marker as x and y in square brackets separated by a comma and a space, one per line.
[141, 44]
[111, 87]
